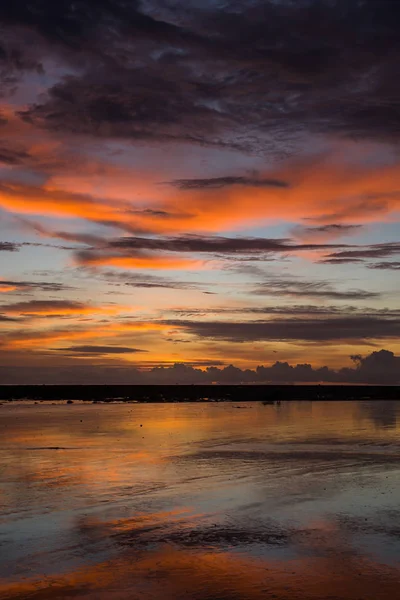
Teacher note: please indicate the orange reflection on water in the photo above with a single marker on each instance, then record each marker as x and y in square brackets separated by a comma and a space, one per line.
[200, 501]
[202, 575]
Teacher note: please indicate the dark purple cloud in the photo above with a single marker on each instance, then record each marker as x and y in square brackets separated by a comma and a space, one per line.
[141, 280]
[305, 310]
[43, 306]
[310, 289]
[366, 252]
[100, 350]
[10, 155]
[222, 182]
[5, 319]
[246, 75]
[386, 266]
[340, 261]
[349, 328]
[34, 285]
[8, 247]
[329, 231]
[216, 244]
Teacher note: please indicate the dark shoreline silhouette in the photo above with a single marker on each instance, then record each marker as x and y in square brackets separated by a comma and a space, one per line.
[197, 393]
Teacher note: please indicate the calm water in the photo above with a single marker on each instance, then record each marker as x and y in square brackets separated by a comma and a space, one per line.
[202, 502]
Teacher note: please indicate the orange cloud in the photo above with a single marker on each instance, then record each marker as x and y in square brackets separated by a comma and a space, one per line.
[26, 199]
[26, 339]
[324, 192]
[140, 262]
[4, 288]
[60, 307]
[322, 189]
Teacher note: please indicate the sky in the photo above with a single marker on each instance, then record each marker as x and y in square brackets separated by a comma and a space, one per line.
[199, 191]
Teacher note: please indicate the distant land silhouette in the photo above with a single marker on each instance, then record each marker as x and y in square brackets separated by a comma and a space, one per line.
[197, 393]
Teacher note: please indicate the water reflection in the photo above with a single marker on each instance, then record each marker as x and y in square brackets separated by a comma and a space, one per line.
[384, 414]
[200, 501]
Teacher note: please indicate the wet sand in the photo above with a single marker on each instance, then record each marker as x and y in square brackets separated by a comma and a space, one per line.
[200, 501]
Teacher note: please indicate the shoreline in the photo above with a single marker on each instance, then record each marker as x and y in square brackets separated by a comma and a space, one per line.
[269, 394]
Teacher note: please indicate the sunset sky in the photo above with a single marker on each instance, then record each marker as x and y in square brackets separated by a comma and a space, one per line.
[201, 182]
